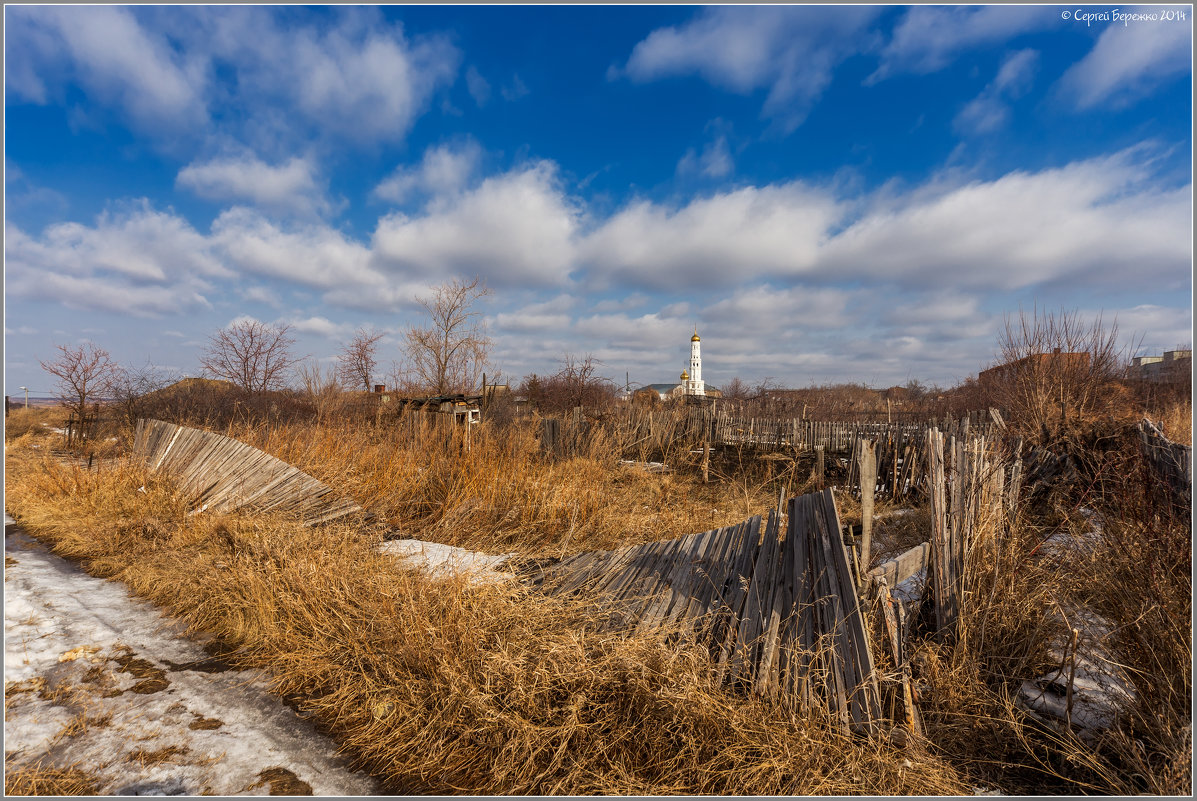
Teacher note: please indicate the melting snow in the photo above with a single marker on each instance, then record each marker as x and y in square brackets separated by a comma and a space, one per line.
[446, 560]
[98, 679]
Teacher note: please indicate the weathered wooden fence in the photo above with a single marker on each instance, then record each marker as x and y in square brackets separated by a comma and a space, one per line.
[1173, 461]
[833, 437]
[222, 474]
[780, 615]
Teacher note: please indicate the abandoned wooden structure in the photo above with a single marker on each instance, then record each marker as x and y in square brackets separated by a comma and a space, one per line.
[219, 473]
[1171, 460]
[779, 614]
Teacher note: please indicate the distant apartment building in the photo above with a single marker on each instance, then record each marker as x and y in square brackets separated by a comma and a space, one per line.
[1174, 365]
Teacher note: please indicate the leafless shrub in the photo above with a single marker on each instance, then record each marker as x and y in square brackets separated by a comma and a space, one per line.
[84, 374]
[131, 387]
[575, 384]
[320, 387]
[736, 390]
[1054, 368]
[357, 361]
[449, 354]
[255, 356]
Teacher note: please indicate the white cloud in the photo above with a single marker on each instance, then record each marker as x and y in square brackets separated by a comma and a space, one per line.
[444, 170]
[1086, 221]
[320, 326]
[728, 237]
[1129, 62]
[73, 268]
[261, 294]
[792, 51]
[1083, 222]
[478, 86]
[1155, 328]
[356, 78]
[308, 254]
[715, 161]
[514, 229]
[930, 38]
[107, 51]
[989, 110]
[289, 187]
[135, 243]
[515, 90]
[769, 309]
[135, 260]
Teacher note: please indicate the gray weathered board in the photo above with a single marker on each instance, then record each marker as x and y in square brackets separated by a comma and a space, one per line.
[219, 473]
[1173, 461]
[779, 615]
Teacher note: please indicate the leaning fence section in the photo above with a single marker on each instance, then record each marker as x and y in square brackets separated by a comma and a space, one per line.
[777, 610]
[219, 473]
[1171, 460]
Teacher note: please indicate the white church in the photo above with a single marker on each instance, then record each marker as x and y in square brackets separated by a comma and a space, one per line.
[691, 383]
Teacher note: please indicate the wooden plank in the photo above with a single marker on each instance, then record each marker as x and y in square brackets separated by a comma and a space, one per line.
[904, 566]
[867, 456]
[740, 579]
[942, 582]
[865, 700]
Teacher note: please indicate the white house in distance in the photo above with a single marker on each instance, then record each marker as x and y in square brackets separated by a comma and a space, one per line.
[690, 383]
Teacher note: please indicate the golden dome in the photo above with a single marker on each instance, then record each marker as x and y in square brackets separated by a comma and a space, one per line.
[695, 337]
[685, 376]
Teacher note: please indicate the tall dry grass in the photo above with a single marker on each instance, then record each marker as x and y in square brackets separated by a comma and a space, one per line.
[442, 687]
[439, 686]
[38, 421]
[503, 493]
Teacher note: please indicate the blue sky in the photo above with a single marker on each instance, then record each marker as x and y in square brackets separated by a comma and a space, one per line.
[828, 193]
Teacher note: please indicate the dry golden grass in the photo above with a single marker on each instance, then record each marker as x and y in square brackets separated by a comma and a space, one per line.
[504, 494]
[36, 420]
[41, 780]
[437, 686]
[1176, 421]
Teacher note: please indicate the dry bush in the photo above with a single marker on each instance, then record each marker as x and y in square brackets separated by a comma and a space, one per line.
[438, 686]
[1054, 372]
[1137, 574]
[41, 780]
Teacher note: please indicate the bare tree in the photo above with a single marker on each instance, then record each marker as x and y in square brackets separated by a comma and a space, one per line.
[320, 387]
[253, 355]
[1053, 367]
[449, 354]
[356, 362]
[85, 374]
[736, 390]
[575, 384]
[131, 385]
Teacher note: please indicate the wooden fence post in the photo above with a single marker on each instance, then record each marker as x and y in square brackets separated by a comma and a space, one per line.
[868, 485]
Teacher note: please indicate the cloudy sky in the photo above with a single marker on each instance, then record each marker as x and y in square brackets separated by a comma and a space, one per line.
[827, 193]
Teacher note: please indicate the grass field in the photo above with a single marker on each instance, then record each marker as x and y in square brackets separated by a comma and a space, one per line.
[440, 686]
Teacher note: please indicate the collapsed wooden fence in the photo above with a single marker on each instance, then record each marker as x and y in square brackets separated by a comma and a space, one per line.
[1171, 460]
[784, 613]
[779, 614]
[219, 473]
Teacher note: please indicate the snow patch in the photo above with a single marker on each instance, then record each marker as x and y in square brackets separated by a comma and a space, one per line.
[105, 681]
[446, 560]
